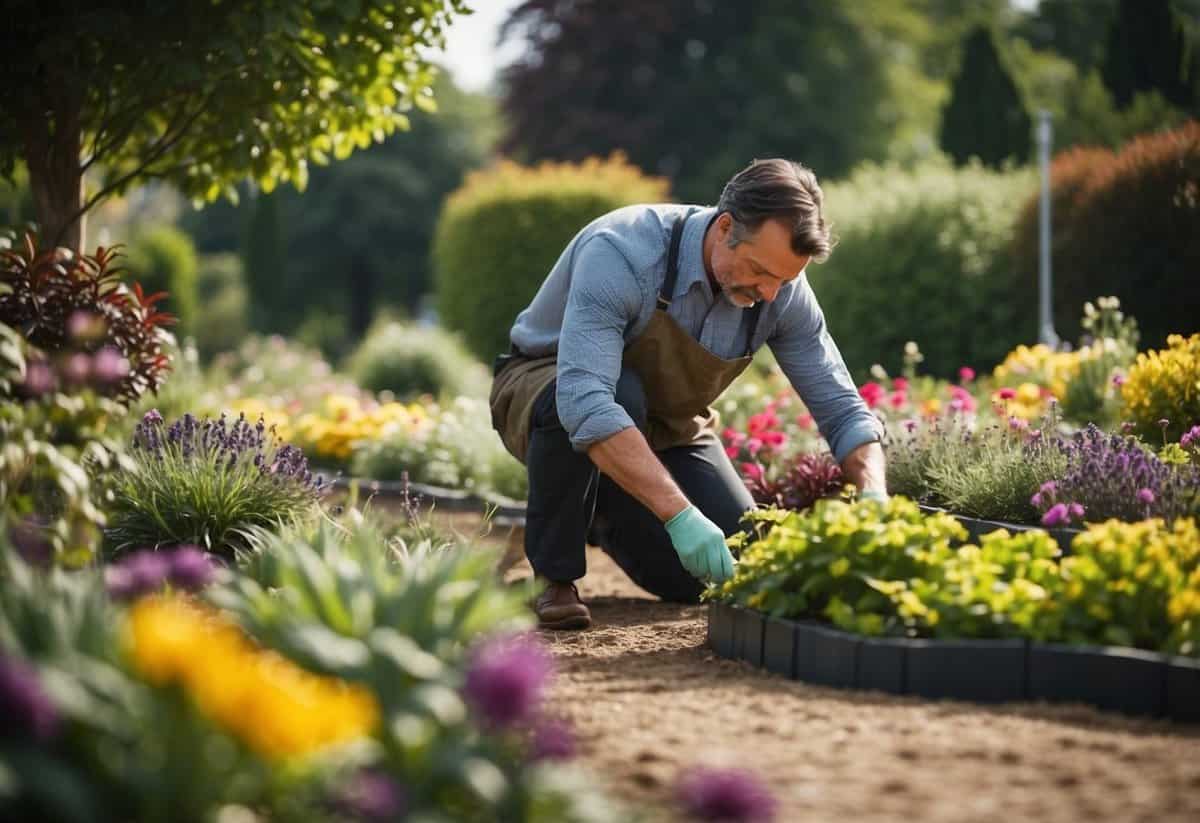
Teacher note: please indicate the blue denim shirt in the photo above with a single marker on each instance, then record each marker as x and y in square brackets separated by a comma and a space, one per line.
[601, 294]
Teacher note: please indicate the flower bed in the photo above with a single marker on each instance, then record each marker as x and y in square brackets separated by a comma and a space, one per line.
[897, 588]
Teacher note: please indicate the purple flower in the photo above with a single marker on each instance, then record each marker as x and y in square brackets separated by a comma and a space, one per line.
[1145, 495]
[191, 568]
[109, 366]
[1057, 515]
[1190, 437]
[553, 739]
[1076, 511]
[136, 574]
[152, 418]
[28, 537]
[85, 325]
[1127, 427]
[506, 679]
[26, 711]
[119, 582]
[78, 368]
[1036, 500]
[725, 794]
[39, 379]
[1118, 380]
[372, 795]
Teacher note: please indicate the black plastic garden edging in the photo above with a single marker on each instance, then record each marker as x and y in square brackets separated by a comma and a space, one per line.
[1124, 680]
[976, 527]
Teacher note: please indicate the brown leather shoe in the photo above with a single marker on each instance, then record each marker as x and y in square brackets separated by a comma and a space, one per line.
[559, 607]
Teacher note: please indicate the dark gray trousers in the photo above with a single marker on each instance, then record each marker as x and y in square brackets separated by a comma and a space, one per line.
[571, 503]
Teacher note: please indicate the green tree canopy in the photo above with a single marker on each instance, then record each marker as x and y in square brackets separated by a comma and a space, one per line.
[1147, 51]
[985, 117]
[202, 93]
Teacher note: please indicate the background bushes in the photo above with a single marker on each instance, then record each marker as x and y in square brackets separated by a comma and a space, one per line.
[499, 235]
[163, 258]
[1125, 223]
[923, 255]
[409, 360]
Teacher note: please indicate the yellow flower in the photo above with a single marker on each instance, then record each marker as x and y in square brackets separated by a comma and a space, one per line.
[273, 706]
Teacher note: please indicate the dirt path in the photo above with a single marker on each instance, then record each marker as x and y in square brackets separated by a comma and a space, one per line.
[648, 699]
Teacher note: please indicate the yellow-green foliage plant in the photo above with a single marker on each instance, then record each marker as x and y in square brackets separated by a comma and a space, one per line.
[822, 562]
[1133, 584]
[500, 233]
[1163, 385]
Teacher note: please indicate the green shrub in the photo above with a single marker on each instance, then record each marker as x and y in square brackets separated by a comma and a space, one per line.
[163, 258]
[1124, 223]
[923, 255]
[411, 360]
[222, 290]
[499, 235]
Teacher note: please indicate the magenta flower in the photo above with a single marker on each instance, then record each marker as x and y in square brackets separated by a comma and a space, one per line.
[372, 795]
[1075, 510]
[1056, 515]
[136, 574]
[754, 445]
[725, 794]
[897, 399]
[732, 452]
[85, 325]
[1118, 380]
[872, 393]
[966, 374]
[78, 368]
[26, 711]
[109, 366]
[506, 679]
[752, 470]
[900, 384]
[1007, 393]
[1145, 495]
[553, 739]
[1190, 437]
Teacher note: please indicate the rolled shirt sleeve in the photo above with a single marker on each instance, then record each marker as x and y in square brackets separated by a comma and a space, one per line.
[604, 300]
[813, 365]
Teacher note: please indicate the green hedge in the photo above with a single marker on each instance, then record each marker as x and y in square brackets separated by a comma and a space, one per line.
[409, 360]
[1127, 224]
[923, 255]
[499, 235]
[163, 258]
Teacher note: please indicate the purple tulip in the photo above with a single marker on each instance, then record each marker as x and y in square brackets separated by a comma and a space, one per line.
[552, 740]
[1057, 515]
[506, 679]
[191, 568]
[372, 795]
[725, 794]
[26, 711]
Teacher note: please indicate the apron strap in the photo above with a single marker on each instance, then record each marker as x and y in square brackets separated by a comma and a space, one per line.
[668, 287]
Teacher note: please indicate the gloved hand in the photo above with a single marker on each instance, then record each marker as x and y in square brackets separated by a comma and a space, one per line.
[700, 544]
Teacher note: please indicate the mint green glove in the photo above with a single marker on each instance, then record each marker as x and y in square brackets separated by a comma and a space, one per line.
[700, 544]
[873, 494]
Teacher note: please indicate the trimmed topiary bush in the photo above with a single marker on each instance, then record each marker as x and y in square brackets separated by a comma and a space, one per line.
[409, 360]
[499, 235]
[923, 255]
[1127, 224]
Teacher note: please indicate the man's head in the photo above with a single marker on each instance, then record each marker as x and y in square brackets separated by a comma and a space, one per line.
[768, 227]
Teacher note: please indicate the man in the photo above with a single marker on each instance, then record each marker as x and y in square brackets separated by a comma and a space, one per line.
[649, 314]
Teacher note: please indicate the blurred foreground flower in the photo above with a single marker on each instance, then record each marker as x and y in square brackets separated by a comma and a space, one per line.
[26, 711]
[506, 679]
[725, 794]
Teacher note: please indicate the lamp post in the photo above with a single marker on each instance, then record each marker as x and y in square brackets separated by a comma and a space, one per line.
[1045, 139]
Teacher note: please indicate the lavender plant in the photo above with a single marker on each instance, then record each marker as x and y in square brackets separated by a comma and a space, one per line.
[1116, 476]
[207, 482]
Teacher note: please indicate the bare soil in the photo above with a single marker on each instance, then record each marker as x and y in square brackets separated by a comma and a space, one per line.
[649, 700]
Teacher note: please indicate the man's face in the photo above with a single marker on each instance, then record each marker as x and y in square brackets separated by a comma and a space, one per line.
[759, 266]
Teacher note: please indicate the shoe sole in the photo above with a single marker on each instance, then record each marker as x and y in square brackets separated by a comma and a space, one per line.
[579, 621]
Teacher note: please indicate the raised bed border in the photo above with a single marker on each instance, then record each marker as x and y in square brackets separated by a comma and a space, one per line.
[977, 527]
[1129, 681]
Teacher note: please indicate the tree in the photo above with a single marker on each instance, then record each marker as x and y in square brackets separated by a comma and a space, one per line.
[1073, 29]
[694, 89]
[985, 117]
[1147, 51]
[202, 93]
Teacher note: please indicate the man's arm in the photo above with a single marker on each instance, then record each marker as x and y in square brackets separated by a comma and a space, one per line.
[814, 366]
[627, 458]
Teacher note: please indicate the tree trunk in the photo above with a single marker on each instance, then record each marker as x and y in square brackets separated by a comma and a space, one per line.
[53, 144]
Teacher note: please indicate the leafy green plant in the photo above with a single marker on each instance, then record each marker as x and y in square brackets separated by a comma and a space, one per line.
[1108, 347]
[408, 360]
[206, 482]
[407, 623]
[823, 563]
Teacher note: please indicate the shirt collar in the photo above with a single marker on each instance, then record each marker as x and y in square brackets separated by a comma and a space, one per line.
[691, 252]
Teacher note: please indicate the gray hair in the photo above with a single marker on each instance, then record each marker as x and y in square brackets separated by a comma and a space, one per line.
[782, 190]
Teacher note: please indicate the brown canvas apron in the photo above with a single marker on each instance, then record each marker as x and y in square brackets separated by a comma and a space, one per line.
[681, 377]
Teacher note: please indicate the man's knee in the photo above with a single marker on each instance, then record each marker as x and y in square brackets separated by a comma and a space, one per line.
[631, 396]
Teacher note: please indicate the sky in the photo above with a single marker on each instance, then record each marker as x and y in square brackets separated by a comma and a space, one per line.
[471, 54]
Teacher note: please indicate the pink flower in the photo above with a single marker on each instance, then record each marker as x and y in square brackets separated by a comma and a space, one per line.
[1057, 515]
[900, 384]
[752, 470]
[1118, 380]
[725, 794]
[761, 422]
[1145, 495]
[804, 421]
[754, 445]
[910, 425]
[897, 399]
[872, 393]
[774, 438]
[962, 400]
[966, 374]
[109, 366]
[1017, 424]
[1006, 393]
[1076, 511]
[732, 451]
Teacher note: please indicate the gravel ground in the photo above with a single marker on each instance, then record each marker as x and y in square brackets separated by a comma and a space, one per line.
[649, 701]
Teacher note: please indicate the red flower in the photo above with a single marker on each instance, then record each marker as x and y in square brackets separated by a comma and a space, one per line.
[773, 439]
[900, 384]
[761, 422]
[732, 451]
[752, 470]
[872, 393]
[1007, 394]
